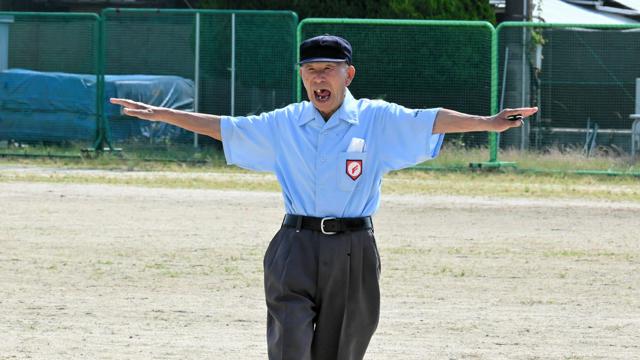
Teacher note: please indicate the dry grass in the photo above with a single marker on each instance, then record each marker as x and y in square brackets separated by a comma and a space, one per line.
[452, 156]
[572, 159]
[502, 184]
[514, 185]
[551, 178]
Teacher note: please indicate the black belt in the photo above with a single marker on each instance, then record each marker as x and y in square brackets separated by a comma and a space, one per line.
[327, 225]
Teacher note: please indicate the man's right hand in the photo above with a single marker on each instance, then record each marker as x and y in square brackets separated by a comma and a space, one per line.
[139, 110]
[200, 123]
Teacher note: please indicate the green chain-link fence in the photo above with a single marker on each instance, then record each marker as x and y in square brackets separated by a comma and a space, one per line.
[57, 72]
[583, 78]
[419, 63]
[219, 62]
[48, 79]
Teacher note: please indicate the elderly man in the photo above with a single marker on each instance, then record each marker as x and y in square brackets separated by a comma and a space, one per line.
[321, 269]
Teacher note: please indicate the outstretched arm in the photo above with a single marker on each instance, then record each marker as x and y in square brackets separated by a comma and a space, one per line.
[200, 123]
[449, 121]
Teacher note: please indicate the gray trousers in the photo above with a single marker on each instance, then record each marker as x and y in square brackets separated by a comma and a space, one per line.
[322, 294]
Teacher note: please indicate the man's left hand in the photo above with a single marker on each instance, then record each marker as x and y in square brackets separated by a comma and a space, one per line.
[501, 121]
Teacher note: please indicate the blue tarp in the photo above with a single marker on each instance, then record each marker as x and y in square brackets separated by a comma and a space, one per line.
[50, 106]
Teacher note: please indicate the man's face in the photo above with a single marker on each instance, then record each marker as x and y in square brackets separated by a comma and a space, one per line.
[326, 83]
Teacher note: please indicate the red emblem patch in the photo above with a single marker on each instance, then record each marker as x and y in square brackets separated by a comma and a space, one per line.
[354, 169]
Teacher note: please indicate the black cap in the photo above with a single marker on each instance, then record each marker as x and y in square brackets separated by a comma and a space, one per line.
[325, 48]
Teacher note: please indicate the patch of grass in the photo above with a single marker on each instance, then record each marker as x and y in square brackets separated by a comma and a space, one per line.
[402, 182]
[224, 180]
[132, 154]
[231, 269]
[553, 158]
[454, 156]
[447, 271]
[513, 184]
[145, 156]
[571, 159]
[155, 266]
[480, 252]
[406, 250]
[163, 270]
[532, 302]
[172, 274]
[568, 253]
[215, 175]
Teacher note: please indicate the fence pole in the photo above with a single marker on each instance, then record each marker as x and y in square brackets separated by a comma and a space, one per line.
[233, 64]
[493, 136]
[103, 135]
[196, 76]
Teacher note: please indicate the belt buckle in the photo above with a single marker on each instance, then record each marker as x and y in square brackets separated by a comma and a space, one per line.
[322, 226]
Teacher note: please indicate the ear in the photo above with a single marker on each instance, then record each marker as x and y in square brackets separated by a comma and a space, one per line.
[351, 73]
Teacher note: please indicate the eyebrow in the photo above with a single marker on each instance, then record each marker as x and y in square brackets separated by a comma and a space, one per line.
[328, 64]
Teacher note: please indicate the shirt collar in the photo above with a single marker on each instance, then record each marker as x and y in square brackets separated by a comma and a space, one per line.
[348, 111]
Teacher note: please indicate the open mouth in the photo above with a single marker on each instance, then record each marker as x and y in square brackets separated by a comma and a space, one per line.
[322, 95]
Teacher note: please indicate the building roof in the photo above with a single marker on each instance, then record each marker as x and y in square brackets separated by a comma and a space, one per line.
[558, 11]
[631, 4]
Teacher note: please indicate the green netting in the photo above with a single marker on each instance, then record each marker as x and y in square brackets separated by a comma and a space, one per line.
[237, 63]
[48, 78]
[419, 64]
[583, 78]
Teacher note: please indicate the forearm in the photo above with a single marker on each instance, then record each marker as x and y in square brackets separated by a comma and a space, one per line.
[450, 121]
[197, 122]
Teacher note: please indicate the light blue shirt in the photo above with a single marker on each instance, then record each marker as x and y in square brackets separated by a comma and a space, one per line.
[310, 159]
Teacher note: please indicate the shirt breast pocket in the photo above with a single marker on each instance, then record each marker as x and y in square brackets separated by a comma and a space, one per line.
[352, 166]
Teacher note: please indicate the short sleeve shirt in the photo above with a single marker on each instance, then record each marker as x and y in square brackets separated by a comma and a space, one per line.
[319, 172]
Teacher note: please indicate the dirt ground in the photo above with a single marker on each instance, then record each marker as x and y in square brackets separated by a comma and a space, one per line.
[124, 272]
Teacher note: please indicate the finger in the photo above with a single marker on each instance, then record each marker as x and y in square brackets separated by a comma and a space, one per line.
[516, 124]
[515, 115]
[128, 103]
[524, 112]
[140, 113]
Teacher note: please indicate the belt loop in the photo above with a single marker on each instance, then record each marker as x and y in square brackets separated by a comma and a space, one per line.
[298, 223]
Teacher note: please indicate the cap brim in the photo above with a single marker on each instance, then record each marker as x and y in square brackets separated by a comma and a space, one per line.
[321, 60]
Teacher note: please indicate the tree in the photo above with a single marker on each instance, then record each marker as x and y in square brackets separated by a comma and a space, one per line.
[390, 9]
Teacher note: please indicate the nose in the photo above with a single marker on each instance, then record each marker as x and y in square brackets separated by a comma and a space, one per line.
[319, 77]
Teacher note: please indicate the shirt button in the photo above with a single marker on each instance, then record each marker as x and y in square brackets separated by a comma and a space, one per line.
[323, 160]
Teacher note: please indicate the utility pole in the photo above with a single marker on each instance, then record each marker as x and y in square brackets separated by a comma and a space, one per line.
[518, 10]
[516, 79]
